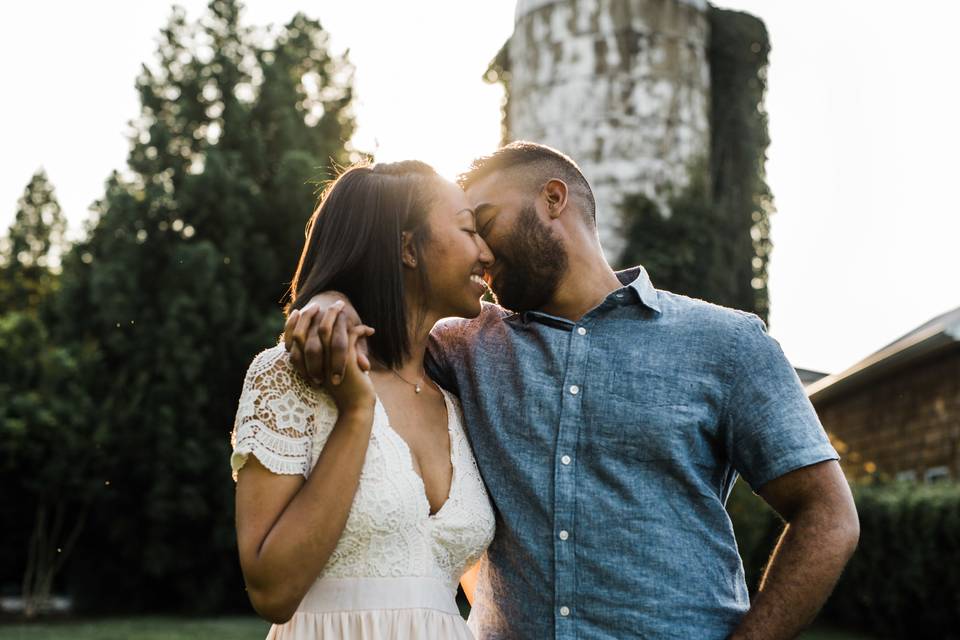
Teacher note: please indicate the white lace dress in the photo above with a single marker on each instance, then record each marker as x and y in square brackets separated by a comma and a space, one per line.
[395, 570]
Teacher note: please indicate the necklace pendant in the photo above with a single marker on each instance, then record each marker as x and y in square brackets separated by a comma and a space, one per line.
[416, 388]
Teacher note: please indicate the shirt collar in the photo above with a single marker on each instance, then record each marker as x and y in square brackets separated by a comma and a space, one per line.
[636, 278]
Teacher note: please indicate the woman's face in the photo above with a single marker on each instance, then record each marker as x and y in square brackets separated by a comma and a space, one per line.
[455, 256]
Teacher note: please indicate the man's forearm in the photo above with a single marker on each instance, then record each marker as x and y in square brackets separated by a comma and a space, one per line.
[802, 571]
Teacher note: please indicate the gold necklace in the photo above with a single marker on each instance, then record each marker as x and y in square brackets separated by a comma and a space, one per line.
[415, 385]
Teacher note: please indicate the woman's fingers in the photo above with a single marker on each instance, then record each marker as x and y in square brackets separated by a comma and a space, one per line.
[288, 327]
[337, 347]
[354, 335]
[295, 336]
[320, 343]
[363, 360]
[302, 325]
[313, 358]
[325, 330]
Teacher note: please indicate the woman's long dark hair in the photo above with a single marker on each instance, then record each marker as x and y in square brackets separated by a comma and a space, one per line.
[354, 246]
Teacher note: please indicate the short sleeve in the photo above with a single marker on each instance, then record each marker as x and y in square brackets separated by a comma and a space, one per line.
[444, 342]
[450, 339]
[279, 417]
[771, 427]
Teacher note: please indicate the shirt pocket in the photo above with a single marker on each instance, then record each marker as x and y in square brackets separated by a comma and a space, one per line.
[645, 432]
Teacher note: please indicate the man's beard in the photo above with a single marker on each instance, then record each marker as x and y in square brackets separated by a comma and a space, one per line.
[531, 264]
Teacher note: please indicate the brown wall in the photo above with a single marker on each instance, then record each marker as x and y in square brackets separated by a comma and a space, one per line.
[909, 420]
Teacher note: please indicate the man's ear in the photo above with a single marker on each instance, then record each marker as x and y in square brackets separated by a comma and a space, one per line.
[409, 252]
[555, 194]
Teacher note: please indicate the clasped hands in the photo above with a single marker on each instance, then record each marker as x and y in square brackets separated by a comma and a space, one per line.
[323, 337]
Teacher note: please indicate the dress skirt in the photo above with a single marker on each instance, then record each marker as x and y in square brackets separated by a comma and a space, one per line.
[376, 609]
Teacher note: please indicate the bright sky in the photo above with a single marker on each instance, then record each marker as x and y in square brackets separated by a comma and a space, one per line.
[863, 105]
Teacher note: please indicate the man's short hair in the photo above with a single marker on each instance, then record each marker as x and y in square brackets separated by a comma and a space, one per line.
[529, 165]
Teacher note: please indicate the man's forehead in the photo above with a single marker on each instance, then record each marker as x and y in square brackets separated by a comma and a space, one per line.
[493, 189]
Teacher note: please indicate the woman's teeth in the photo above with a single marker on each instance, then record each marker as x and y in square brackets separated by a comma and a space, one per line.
[478, 280]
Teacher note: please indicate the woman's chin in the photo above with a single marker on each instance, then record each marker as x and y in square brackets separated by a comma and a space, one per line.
[471, 310]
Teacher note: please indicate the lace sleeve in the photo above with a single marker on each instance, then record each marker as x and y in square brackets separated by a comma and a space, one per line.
[278, 417]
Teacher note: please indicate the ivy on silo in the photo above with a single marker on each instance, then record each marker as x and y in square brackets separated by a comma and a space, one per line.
[715, 242]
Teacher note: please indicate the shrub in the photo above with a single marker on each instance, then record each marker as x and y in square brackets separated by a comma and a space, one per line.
[904, 579]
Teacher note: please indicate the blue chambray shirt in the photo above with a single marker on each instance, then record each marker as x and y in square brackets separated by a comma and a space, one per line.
[609, 447]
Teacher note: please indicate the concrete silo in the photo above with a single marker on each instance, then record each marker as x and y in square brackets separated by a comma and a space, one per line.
[622, 86]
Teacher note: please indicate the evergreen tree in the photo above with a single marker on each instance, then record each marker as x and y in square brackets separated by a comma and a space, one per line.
[45, 430]
[30, 253]
[48, 450]
[179, 282]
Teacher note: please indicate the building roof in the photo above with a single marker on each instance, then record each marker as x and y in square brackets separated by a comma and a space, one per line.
[933, 337]
[808, 376]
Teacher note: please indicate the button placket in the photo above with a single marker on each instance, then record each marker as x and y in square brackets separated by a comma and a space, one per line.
[565, 480]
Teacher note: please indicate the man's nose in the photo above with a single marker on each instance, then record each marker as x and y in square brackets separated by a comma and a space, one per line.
[486, 255]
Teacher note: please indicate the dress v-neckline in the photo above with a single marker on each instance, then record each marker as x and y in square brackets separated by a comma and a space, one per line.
[410, 462]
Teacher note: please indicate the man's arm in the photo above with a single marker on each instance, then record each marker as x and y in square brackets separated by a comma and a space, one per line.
[821, 534]
[313, 358]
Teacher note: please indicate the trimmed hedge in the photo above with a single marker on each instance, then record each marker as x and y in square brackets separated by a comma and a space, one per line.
[904, 579]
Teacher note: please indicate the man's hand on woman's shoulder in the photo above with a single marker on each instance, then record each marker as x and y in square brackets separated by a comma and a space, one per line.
[317, 351]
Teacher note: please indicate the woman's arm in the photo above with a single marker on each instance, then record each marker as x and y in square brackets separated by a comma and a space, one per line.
[287, 527]
[469, 581]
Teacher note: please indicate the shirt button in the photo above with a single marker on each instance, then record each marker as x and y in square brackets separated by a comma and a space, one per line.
[564, 535]
[574, 389]
[581, 331]
[565, 459]
[564, 611]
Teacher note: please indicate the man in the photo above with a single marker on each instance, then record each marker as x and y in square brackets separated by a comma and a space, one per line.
[610, 421]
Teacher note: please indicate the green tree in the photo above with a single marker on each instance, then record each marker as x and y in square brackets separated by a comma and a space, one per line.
[44, 448]
[48, 449]
[30, 253]
[178, 283]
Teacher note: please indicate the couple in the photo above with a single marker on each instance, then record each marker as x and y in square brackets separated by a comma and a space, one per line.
[609, 421]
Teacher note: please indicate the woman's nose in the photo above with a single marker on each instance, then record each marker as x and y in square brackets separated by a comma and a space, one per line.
[486, 255]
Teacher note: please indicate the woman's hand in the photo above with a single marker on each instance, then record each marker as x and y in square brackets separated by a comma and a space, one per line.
[354, 391]
[317, 360]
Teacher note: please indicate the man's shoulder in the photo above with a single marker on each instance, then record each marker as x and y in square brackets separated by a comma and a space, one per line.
[489, 314]
[453, 329]
[700, 316]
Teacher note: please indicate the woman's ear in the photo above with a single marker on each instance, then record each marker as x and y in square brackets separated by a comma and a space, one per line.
[408, 251]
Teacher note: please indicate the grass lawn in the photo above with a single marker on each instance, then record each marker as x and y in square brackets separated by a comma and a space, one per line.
[237, 628]
[825, 633]
[149, 628]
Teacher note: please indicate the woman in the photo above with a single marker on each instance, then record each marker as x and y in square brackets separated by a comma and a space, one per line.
[359, 506]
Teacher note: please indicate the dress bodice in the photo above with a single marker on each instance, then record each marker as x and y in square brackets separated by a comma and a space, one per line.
[390, 532]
